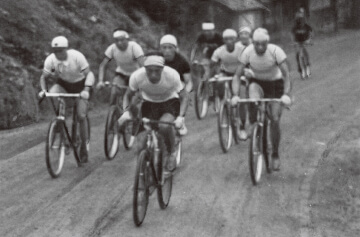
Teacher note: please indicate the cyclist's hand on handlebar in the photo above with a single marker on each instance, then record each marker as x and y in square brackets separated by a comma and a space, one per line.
[84, 95]
[42, 94]
[100, 85]
[286, 100]
[179, 122]
[234, 100]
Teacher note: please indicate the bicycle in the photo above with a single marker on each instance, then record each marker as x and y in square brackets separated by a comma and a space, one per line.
[150, 173]
[260, 143]
[302, 61]
[59, 139]
[206, 90]
[225, 120]
[113, 133]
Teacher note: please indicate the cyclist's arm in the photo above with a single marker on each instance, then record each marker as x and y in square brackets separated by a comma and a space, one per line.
[140, 60]
[102, 68]
[188, 82]
[236, 79]
[44, 76]
[286, 77]
[193, 52]
[127, 102]
[89, 79]
[184, 99]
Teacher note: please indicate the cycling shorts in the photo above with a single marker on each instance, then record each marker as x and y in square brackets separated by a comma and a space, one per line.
[154, 111]
[76, 87]
[121, 79]
[266, 89]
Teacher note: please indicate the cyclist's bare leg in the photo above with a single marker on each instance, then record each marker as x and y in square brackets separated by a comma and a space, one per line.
[168, 132]
[255, 92]
[306, 57]
[274, 113]
[82, 108]
[243, 106]
[116, 91]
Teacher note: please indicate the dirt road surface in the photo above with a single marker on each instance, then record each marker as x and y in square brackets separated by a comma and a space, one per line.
[316, 193]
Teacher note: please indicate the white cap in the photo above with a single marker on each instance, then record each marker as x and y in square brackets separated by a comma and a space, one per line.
[168, 39]
[59, 42]
[229, 33]
[120, 34]
[208, 26]
[245, 29]
[261, 34]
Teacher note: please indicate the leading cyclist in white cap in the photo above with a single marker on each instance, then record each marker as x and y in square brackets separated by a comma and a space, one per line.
[170, 51]
[270, 79]
[72, 73]
[164, 99]
[128, 56]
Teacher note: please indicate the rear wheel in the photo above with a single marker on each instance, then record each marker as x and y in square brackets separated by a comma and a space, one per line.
[201, 100]
[141, 191]
[55, 148]
[165, 179]
[111, 138]
[256, 154]
[224, 127]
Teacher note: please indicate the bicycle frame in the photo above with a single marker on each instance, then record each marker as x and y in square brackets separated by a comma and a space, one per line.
[62, 118]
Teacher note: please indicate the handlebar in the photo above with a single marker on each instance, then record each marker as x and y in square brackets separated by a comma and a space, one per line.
[68, 95]
[220, 78]
[108, 84]
[258, 100]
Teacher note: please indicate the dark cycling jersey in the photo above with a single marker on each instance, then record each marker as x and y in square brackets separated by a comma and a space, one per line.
[301, 33]
[180, 64]
[212, 43]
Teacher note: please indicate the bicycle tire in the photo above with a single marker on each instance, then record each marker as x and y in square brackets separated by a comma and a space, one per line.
[56, 127]
[234, 124]
[111, 136]
[201, 101]
[165, 187]
[141, 183]
[256, 154]
[224, 129]
[131, 129]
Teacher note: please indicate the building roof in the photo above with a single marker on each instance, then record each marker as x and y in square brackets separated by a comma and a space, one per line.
[242, 5]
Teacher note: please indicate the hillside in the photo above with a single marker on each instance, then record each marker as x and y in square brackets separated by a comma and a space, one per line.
[26, 29]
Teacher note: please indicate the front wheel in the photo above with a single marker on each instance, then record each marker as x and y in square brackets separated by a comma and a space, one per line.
[55, 148]
[201, 100]
[164, 178]
[141, 191]
[111, 136]
[224, 127]
[256, 154]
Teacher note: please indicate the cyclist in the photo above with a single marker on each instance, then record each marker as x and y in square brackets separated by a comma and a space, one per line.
[207, 41]
[128, 56]
[245, 36]
[228, 57]
[173, 59]
[302, 34]
[73, 75]
[269, 79]
[164, 99]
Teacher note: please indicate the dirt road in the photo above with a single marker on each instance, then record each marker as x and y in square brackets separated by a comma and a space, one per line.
[316, 193]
